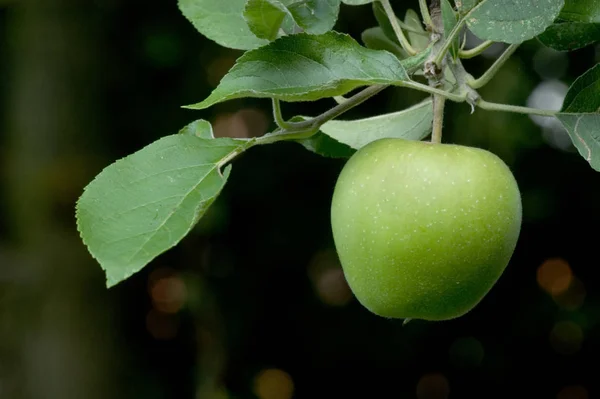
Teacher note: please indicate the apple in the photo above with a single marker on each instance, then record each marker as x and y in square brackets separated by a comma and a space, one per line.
[422, 230]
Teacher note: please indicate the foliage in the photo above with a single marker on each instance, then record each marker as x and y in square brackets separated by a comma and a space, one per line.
[144, 204]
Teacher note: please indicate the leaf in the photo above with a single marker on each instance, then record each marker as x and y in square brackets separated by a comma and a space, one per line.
[569, 36]
[413, 123]
[450, 19]
[464, 6]
[315, 16]
[511, 21]
[222, 22]
[580, 115]
[307, 67]
[327, 146]
[144, 204]
[384, 22]
[264, 17]
[577, 26]
[419, 41]
[375, 39]
[199, 128]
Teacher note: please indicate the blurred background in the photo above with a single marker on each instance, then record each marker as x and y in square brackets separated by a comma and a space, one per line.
[253, 303]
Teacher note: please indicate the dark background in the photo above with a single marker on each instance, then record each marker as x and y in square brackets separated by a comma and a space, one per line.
[253, 303]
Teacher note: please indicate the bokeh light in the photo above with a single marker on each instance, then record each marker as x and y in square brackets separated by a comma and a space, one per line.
[433, 386]
[573, 392]
[167, 291]
[328, 280]
[566, 337]
[273, 384]
[554, 275]
[245, 123]
[550, 94]
[466, 352]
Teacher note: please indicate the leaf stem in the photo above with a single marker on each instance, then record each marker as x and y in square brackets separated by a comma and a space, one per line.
[397, 29]
[305, 129]
[448, 41]
[277, 114]
[514, 108]
[425, 13]
[491, 72]
[459, 98]
[475, 51]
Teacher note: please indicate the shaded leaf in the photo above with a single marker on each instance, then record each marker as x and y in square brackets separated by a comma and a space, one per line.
[511, 21]
[419, 40]
[413, 123]
[327, 146]
[580, 115]
[577, 26]
[374, 38]
[265, 17]
[450, 20]
[144, 204]
[222, 22]
[315, 16]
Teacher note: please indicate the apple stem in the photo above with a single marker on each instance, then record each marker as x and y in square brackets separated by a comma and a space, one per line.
[438, 119]
[435, 71]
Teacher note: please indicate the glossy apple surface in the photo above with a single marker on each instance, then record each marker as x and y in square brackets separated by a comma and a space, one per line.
[424, 231]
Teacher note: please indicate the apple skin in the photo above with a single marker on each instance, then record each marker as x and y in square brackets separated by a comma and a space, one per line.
[422, 230]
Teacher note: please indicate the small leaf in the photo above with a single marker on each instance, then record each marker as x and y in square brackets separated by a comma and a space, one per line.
[222, 22]
[580, 115]
[200, 128]
[315, 16]
[264, 17]
[577, 26]
[511, 21]
[327, 146]
[413, 123]
[144, 204]
[419, 39]
[375, 39]
[307, 67]
[384, 22]
[450, 19]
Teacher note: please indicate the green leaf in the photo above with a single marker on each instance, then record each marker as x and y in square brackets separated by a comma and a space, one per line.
[315, 16]
[327, 146]
[222, 22]
[569, 36]
[374, 38]
[384, 22]
[450, 19]
[199, 128]
[144, 204]
[264, 17]
[511, 21]
[418, 38]
[577, 26]
[464, 6]
[580, 115]
[307, 67]
[413, 123]
[581, 11]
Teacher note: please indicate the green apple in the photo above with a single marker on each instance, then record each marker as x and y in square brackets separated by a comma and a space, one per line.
[422, 230]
